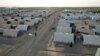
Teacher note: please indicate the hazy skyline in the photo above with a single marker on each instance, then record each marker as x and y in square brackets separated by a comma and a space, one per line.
[49, 3]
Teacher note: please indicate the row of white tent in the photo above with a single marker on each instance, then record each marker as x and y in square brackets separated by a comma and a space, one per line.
[10, 32]
[26, 12]
[63, 26]
[30, 22]
[7, 31]
[63, 32]
[93, 40]
[71, 16]
[33, 13]
[14, 32]
[74, 16]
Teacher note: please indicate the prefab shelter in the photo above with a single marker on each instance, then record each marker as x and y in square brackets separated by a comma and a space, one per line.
[11, 32]
[63, 37]
[23, 27]
[64, 29]
[91, 40]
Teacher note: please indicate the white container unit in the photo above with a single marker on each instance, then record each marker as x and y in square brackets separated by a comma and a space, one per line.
[64, 29]
[63, 37]
[91, 40]
[11, 32]
[23, 27]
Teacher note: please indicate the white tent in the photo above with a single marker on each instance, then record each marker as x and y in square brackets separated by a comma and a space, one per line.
[98, 52]
[64, 38]
[64, 29]
[22, 27]
[11, 32]
[91, 40]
